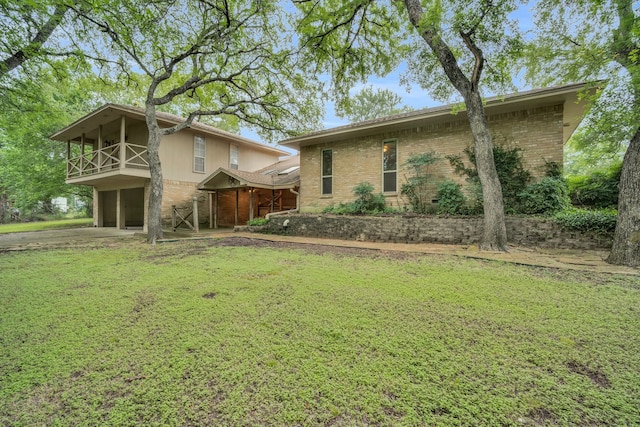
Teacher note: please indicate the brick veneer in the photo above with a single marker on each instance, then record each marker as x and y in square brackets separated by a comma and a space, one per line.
[538, 131]
[181, 193]
[531, 232]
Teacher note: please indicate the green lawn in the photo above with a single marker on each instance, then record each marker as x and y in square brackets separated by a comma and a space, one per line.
[45, 225]
[200, 334]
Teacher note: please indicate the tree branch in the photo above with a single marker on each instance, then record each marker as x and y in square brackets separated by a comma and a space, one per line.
[479, 59]
[34, 47]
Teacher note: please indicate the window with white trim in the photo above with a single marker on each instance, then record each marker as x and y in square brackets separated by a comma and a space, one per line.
[233, 157]
[327, 172]
[390, 166]
[198, 154]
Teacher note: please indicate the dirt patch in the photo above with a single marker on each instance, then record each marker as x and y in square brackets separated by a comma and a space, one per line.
[316, 249]
[210, 295]
[542, 416]
[595, 375]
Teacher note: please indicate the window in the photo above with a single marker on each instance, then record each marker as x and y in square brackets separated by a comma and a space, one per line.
[198, 154]
[327, 172]
[233, 157]
[389, 166]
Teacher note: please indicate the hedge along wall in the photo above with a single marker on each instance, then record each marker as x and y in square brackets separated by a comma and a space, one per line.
[521, 231]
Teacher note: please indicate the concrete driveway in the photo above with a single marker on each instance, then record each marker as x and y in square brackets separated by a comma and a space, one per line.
[57, 238]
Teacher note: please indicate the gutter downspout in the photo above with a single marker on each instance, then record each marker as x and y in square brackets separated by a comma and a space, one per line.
[270, 214]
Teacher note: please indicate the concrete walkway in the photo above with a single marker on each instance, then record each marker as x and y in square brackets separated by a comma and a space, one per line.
[57, 238]
[557, 258]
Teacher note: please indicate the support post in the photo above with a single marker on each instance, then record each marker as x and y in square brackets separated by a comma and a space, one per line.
[173, 217]
[100, 147]
[68, 157]
[273, 196]
[210, 194]
[97, 209]
[120, 211]
[147, 190]
[82, 154]
[251, 191]
[215, 211]
[236, 211]
[123, 148]
[196, 222]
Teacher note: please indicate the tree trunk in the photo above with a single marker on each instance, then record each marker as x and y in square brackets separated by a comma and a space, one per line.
[626, 240]
[494, 237]
[154, 218]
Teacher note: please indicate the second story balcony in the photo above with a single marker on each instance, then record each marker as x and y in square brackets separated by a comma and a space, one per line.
[108, 159]
[107, 148]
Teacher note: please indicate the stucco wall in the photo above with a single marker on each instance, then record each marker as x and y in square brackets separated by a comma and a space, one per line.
[176, 155]
[530, 232]
[538, 131]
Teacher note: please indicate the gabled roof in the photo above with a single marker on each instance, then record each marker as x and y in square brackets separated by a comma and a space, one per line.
[417, 118]
[280, 175]
[109, 113]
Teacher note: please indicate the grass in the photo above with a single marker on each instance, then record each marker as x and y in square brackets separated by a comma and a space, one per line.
[194, 334]
[45, 225]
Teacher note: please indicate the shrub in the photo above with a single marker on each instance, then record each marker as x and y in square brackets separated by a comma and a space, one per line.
[601, 220]
[417, 187]
[547, 196]
[365, 203]
[599, 189]
[511, 172]
[451, 200]
[552, 169]
[257, 221]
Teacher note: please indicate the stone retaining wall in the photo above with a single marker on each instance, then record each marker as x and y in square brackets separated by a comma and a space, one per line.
[531, 232]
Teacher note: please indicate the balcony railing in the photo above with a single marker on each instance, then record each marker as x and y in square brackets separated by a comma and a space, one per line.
[106, 159]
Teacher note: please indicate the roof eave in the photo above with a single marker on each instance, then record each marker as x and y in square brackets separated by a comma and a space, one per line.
[434, 113]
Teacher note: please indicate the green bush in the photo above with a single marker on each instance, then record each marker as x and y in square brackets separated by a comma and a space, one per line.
[511, 172]
[547, 196]
[599, 189]
[257, 221]
[365, 203]
[601, 220]
[418, 188]
[451, 200]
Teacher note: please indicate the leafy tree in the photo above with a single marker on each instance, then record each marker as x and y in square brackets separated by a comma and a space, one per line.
[353, 39]
[32, 167]
[369, 104]
[26, 27]
[226, 58]
[586, 39]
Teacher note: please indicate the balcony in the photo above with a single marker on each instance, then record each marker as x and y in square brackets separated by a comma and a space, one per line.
[113, 162]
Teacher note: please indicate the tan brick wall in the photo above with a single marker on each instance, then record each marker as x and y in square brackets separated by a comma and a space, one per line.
[538, 131]
[181, 193]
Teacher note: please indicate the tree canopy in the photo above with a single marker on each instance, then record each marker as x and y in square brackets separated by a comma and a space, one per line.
[217, 58]
[588, 39]
[450, 47]
[368, 104]
[32, 167]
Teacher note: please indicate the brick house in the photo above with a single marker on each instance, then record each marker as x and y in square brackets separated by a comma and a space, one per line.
[107, 149]
[334, 161]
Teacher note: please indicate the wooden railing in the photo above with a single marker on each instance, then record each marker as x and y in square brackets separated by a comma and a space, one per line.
[106, 159]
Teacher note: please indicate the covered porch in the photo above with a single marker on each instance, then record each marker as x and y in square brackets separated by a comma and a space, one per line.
[110, 142]
[236, 197]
